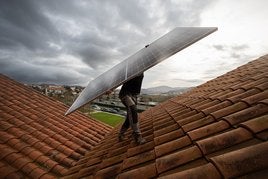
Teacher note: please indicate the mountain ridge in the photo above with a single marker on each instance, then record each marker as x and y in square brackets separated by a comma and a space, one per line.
[164, 89]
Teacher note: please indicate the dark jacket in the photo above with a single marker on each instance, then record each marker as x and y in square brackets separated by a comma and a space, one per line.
[132, 87]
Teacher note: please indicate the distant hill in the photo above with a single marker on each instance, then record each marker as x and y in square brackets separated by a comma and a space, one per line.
[164, 90]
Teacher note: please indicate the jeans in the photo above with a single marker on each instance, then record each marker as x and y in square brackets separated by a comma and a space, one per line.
[130, 102]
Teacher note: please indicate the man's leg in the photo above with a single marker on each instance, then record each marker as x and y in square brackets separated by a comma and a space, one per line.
[126, 124]
[123, 129]
[135, 126]
[130, 102]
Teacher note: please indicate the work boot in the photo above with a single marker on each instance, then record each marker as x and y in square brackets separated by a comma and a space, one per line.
[121, 135]
[138, 138]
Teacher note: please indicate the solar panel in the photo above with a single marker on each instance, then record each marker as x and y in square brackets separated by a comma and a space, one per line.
[164, 47]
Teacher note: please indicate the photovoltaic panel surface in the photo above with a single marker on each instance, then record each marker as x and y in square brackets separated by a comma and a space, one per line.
[164, 47]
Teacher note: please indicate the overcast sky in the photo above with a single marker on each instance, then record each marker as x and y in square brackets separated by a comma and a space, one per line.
[74, 41]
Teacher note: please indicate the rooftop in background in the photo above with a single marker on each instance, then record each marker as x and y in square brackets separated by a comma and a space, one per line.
[218, 129]
[36, 139]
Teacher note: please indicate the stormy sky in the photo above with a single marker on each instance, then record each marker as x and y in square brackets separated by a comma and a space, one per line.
[73, 41]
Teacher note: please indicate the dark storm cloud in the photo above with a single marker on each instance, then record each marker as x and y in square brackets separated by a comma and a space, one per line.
[93, 49]
[23, 25]
[30, 73]
[34, 35]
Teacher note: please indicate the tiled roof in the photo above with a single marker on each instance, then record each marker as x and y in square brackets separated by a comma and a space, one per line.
[36, 139]
[216, 130]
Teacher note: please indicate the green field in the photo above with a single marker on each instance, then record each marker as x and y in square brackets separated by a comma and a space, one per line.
[108, 118]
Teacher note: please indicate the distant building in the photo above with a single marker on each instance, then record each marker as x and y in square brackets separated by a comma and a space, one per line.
[152, 103]
[51, 89]
[73, 88]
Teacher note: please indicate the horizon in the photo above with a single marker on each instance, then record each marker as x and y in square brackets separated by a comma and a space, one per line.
[115, 89]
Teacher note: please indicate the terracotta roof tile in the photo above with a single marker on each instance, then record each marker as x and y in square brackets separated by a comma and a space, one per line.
[185, 115]
[254, 83]
[186, 166]
[262, 86]
[229, 110]
[160, 124]
[238, 97]
[192, 118]
[33, 141]
[207, 105]
[198, 123]
[223, 140]
[86, 171]
[230, 94]
[208, 171]
[208, 130]
[37, 173]
[120, 150]
[111, 161]
[109, 172]
[168, 136]
[251, 100]
[217, 107]
[9, 172]
[165, 130]
[257, 125]
[171, 146]
[138, 159]
[247, 114]
[140, 149]
[257, 174]
[28, 168]
[263, 135]
[243, 161]
[14, 175]
[176, 159]
[216, 130]
[148, 171]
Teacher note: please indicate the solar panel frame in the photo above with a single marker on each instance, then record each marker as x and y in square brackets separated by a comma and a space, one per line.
[157, 51]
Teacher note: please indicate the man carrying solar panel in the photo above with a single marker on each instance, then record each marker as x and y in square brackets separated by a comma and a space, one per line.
[128, 95]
